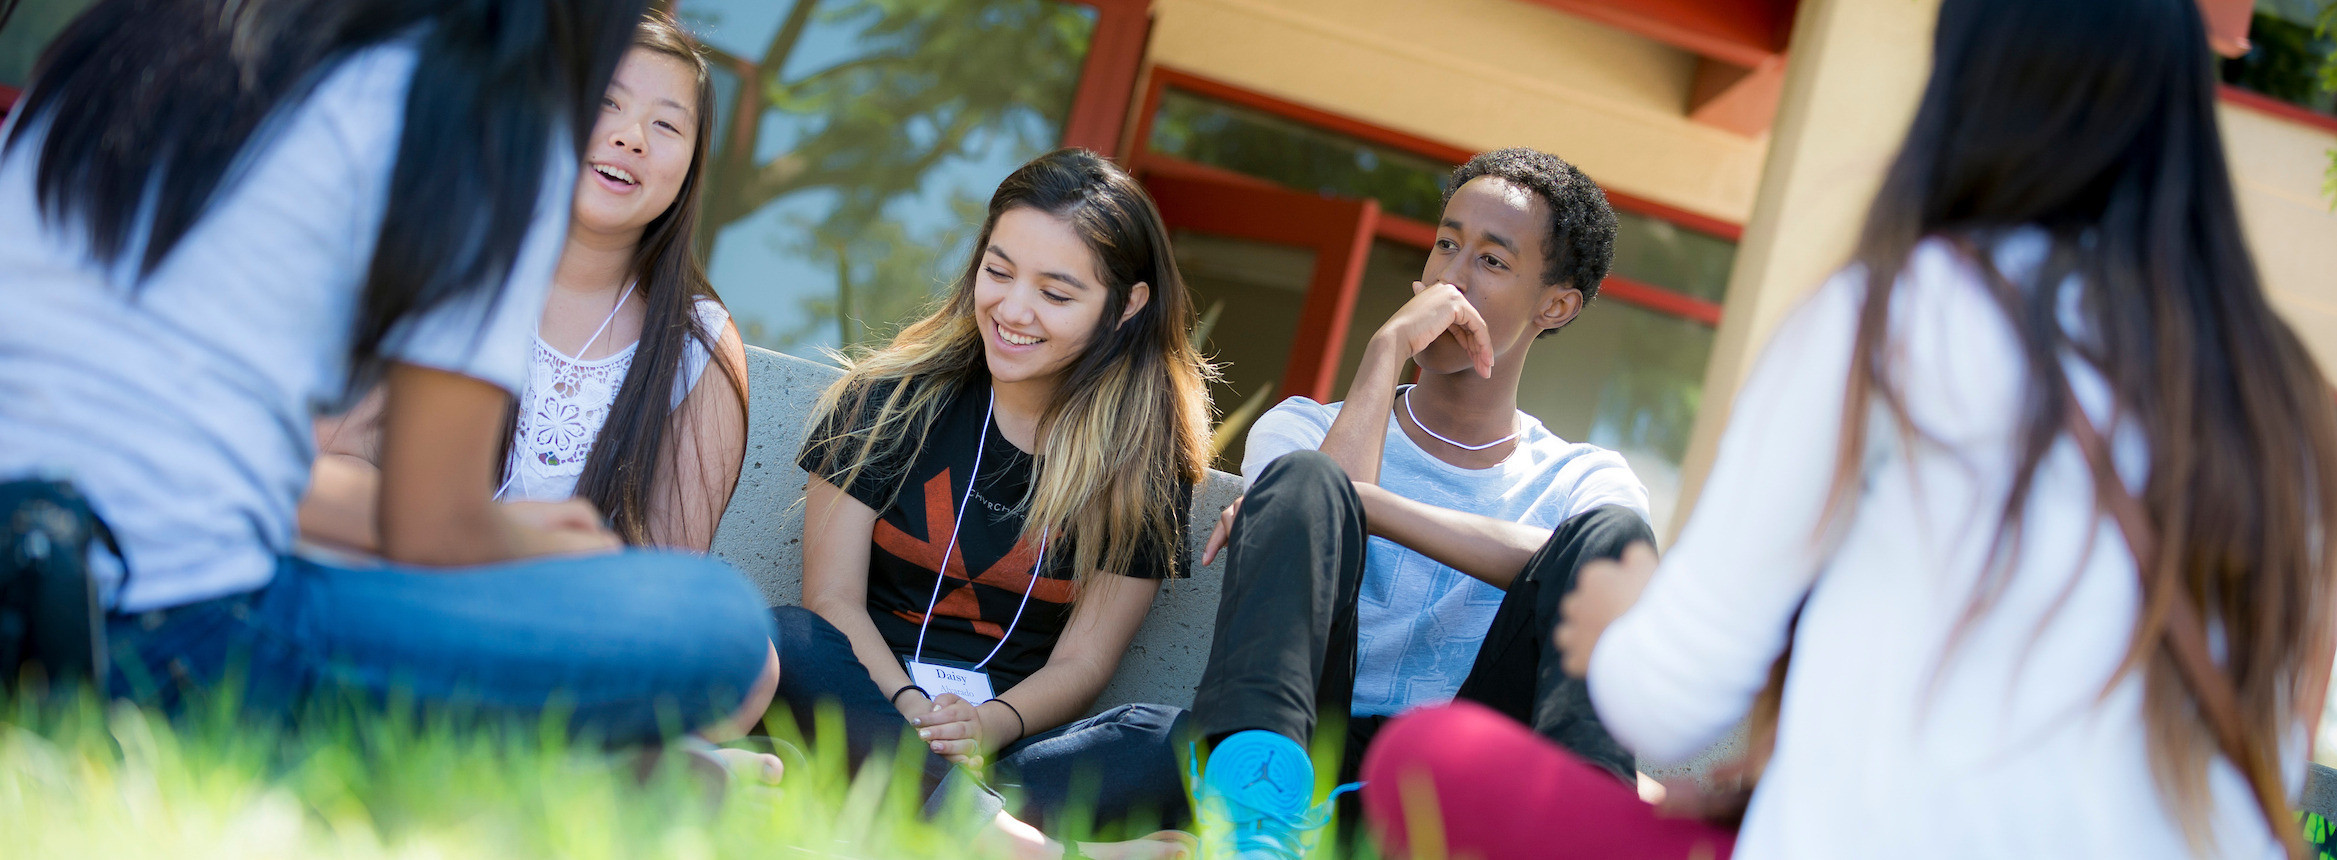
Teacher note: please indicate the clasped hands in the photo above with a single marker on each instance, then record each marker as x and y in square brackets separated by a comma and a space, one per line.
[951, 727]
[565, 527]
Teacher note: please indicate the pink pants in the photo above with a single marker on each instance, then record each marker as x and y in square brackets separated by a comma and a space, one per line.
[1485, 787]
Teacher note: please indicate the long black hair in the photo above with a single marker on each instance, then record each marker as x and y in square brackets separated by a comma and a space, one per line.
[148, 104]
[2094, 120]
[636, 441]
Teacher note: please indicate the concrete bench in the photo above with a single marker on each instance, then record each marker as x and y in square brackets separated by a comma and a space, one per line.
[762, 535]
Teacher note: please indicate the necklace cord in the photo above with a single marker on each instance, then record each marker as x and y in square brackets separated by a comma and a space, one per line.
[580, 351]
[1447, 440]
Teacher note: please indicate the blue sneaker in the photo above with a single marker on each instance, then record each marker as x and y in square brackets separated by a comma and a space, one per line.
[1253, 803]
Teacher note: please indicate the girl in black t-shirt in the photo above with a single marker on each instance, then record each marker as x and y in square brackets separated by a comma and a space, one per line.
[996, 495]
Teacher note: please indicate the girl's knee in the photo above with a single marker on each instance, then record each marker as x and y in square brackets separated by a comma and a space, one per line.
[1414, 741]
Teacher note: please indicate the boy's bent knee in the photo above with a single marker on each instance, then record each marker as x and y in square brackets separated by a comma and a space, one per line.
[1301, 466]
[1605, 531]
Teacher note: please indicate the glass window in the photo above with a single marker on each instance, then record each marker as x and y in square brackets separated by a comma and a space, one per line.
[1297, 155]
[1249, 295]
[1621, 376]
[28, 31]
[1627, 379]
[1659, 253]
[845, 199]
[1387, 284]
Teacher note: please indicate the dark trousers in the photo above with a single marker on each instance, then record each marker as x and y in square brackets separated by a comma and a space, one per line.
[1117, 766]
[1284, 649]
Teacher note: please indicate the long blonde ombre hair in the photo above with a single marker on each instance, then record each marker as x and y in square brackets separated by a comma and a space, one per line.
[1127, 429]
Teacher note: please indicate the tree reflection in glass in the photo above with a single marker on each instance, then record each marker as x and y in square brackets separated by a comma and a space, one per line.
[856, 142]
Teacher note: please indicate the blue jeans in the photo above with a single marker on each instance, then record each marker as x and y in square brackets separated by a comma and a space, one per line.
[1117, 766]
[638, 645]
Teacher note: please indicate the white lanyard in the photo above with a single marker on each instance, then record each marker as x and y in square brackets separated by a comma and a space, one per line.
[942, 575]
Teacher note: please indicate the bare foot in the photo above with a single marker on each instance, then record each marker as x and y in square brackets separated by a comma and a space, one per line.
[1160, 845]
[1008, 837]
[748, 764]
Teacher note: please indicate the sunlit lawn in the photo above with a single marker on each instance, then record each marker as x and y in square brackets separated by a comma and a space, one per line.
[84, 779]
[80, 779]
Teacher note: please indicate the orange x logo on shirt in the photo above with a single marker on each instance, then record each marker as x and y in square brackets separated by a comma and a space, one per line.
[1013, 572]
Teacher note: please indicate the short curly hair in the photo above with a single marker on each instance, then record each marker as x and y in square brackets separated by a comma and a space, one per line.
[1581, 241]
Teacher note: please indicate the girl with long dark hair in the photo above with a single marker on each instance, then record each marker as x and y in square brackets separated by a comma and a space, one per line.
[226, 216]
[2038, 494]
[996, 495]
[635, 398]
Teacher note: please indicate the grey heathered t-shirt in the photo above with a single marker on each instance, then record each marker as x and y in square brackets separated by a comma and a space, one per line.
[181, 405]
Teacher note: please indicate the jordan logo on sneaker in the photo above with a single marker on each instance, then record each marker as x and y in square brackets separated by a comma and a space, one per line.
[1265, 773]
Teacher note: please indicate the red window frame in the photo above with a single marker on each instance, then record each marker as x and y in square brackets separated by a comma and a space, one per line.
[1393, 227]
[2265, 104]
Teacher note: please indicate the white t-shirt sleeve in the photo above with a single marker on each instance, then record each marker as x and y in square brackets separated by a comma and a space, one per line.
[1296, 424]
[486, 335]
[1682, 667]
[1605, 479]
[712, 318]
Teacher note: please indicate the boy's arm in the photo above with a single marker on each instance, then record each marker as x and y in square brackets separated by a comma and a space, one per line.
[1491, 550]
[1360, 433]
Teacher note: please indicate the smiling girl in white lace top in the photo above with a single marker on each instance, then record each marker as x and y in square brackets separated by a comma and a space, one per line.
[614, 411]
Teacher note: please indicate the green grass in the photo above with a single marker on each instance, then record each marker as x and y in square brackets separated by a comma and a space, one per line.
[83, 779]
[80, 778]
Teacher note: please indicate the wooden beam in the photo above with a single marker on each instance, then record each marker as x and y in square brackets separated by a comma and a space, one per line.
[1107, 80]
[1740, 32]
[1736, 98]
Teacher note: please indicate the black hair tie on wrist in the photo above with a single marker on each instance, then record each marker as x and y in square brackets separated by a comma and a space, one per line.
[1022, 729]
[895, 699]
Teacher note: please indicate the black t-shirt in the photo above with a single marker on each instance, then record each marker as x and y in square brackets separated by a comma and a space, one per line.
[913, 529]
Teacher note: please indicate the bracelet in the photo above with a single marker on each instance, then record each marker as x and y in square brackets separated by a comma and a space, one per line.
[1021, 729]
[895, 698]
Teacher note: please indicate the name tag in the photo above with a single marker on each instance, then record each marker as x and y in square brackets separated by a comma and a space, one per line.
[972, 685]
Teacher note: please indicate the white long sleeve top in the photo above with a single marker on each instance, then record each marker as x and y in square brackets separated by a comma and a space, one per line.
[1900, 735]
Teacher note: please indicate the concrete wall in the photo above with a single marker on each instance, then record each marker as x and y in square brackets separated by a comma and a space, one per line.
[1858, 70]
[1479, 74]
[2277, 167]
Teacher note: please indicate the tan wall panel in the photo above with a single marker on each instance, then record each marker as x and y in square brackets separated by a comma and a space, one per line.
[1858, 70]
[1479, 74]
[2277, 169]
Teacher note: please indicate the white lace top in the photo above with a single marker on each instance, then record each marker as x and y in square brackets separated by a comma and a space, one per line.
[566, 402]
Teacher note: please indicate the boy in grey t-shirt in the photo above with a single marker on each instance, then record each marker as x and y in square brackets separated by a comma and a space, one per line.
[1412, 544]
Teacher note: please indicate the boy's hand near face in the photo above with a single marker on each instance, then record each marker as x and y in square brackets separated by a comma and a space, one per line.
[1434, 311]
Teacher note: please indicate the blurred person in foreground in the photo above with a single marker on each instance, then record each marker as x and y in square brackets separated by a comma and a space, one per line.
[626, 403]
[228, 218]
[2037, 494]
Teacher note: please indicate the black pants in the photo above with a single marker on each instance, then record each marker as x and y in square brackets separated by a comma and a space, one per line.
[1119, 766]
[1285, 644]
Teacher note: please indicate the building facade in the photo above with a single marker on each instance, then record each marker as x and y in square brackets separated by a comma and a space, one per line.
[1298, 147]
